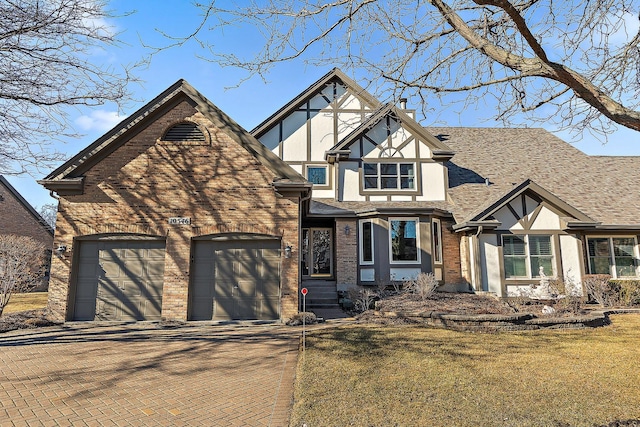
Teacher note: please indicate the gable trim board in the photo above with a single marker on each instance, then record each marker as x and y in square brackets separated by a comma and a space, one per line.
[249, 202]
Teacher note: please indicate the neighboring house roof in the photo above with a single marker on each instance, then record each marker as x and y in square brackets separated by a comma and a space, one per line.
[68, 176]
[440, 149]
[604, 189]
[333, 208]
[45, 225]
[309, 92]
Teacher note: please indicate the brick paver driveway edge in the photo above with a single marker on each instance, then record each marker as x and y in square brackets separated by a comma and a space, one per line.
[146, 374]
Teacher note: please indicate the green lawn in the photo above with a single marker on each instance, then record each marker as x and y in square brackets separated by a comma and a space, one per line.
[408, 376]
[26, 301]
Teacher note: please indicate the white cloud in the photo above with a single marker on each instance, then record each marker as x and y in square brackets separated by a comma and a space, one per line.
[100, 120]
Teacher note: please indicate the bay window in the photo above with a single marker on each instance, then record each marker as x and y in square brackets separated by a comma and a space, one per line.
[403, 239]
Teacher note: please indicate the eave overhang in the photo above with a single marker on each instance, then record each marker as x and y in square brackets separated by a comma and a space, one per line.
[333, 156]
[475, 225]
[293, 189]
[65, 186]
[377, 211]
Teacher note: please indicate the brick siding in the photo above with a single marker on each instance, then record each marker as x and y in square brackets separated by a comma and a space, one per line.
[451, 255]
[346, 252]
[18, 220]
[136, 188]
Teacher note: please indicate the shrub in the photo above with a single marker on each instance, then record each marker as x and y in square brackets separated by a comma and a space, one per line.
[362, 298]
[601, 290]
[567, 295]
[425, 285]
[629, 291]
[308, 317]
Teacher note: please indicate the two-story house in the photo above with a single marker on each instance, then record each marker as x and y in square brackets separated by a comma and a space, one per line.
[180, 213]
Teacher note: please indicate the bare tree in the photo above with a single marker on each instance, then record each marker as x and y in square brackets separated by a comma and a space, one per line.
[22, 265]
[48, 50]
[48, 212]
[573, 63]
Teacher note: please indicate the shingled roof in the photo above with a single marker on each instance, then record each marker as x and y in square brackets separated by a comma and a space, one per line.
[603, 188]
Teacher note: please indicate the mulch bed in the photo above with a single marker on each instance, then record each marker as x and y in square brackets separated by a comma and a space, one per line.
[456, 303]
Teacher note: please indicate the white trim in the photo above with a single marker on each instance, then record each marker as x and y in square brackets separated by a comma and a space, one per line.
[612, 259]
[437, 249]
[406, 219]
[361, 242]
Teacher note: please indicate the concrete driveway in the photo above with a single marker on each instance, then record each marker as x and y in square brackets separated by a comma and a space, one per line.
[146, 375]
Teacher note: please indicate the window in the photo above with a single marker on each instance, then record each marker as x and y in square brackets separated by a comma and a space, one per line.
[437, 241]
[389, 176]
[612, 255]
[524, 255]
[317, 175]
[403, 238]
[366, 242]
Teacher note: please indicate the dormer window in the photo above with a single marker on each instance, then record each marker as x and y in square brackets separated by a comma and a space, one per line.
[389, 176]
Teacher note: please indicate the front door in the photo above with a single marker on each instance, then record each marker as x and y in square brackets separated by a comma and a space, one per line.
[317, 252]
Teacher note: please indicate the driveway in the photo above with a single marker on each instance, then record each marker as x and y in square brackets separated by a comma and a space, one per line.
[145, 374]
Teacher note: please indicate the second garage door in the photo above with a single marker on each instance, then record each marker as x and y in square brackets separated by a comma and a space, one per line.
[235, 280]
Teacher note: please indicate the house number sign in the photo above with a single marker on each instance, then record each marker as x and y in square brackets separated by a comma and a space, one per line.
[180, 220]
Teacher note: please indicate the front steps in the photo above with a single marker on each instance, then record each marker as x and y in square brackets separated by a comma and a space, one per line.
[321, 294]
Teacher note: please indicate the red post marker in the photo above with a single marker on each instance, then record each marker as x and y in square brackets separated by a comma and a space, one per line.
[304, 291]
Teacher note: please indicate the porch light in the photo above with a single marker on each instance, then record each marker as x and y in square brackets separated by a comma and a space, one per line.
[347, 230]
[287, 251]
[61, 250]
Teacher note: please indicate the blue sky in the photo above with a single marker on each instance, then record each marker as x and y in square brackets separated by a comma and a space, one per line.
[249, 104]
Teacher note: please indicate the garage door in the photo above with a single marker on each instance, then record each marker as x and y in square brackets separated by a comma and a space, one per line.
[235, 280]
[119, 280]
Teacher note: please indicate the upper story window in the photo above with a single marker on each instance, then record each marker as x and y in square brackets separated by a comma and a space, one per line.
[524, 256]
[318, 174]
[389, 176]
[614, 256]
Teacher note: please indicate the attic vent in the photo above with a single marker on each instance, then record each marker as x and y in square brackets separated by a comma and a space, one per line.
[184, 132]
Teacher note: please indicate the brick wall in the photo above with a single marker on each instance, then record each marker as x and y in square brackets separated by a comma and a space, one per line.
[346, 252]
[17, 219]
[451, 255]
[141, 184]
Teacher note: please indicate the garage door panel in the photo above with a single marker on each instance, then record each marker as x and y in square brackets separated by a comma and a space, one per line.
[126, 284]
[133, 268]
[224, 309]
[241, 268]
[269, 307]
[245, 308]
[245, 289]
